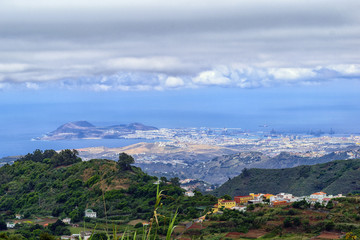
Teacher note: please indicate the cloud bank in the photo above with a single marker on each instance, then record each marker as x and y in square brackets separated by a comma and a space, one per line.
[222, 76]
[159, 45]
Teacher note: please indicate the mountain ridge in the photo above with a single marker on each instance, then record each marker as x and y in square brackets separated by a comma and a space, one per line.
[340, 176]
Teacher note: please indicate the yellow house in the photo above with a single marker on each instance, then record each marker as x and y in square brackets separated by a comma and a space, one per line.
[259, 195]
[215, 209]
[268, 196]
[226, 203]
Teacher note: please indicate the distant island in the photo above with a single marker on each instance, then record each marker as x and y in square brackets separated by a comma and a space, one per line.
[86, 130]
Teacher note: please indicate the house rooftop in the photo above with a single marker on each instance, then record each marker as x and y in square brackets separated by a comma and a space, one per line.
[319, 193]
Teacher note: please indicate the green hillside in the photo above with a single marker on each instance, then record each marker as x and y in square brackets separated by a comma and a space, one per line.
[341, 176]
[60, 184]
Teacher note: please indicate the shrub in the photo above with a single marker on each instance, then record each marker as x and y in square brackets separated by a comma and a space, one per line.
[287, 222]
[139, 225]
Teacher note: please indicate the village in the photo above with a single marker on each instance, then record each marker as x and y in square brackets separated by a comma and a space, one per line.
[238, 203]
[282, 199]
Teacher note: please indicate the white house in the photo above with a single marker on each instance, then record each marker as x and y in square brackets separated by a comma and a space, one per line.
[189, 193]
[10, 224]
[65, 237]
[72, 237]
[18, 216]
[295, 199]
[85, 235]
[239, 208]
[90, 213]
[317, 197]
[66, 220]
[284, 196]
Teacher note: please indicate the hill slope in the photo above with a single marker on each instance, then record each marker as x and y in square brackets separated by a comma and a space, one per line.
[60, 184]
[220, 169]
[341, 176]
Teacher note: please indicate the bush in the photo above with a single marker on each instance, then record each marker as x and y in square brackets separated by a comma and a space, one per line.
[329, 226]
[287, 222]
[296, 221]
[99, 236]
[139, 225]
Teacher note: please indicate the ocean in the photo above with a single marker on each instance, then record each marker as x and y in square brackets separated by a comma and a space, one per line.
[29, 114]
[22, 144]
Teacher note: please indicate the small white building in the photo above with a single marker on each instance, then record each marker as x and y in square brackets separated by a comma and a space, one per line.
[10, 224]
[72, 237]
[239, 208]
[85, 235]
[189, 193]
[284, 196]
[295, 199]
[18, 216]
[317, 197]
[66, 220]
[90, 213]
[65, 237]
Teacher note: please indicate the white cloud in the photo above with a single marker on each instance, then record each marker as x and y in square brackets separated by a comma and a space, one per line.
[143, 64]
[158, 45]
[31, 85]
[291, 73]
[12, 67]
[351, 69]
[174, 82]
[212, 78]
[236, 75]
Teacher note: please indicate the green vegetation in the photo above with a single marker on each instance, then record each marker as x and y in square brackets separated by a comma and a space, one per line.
[46, 183]
[125, 161]
[298, 221]
[333, 177]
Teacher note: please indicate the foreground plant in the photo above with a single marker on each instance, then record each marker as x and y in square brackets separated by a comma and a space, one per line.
[149, 233]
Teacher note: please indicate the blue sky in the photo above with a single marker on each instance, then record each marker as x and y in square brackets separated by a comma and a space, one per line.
[289, 64]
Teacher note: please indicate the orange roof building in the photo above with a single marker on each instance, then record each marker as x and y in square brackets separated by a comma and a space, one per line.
[243, 199]
[280, 203]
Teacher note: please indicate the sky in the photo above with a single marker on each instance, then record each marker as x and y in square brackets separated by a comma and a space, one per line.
[180, 63]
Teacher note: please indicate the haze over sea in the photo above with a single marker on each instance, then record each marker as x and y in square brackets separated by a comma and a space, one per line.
[27, 114]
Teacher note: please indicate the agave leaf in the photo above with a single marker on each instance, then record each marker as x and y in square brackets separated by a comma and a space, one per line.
[123, 236]
[171, 226]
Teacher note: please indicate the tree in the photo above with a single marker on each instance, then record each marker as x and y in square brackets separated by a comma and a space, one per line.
[245, 172]
[330, 205]
[125, 161]
[226, 197]
[317, 205]
[175, 181]
[297, 221]
[3, 225]
[99, 236]
[287, 222]
[46, 236]
[329, 225]
[65, 157]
